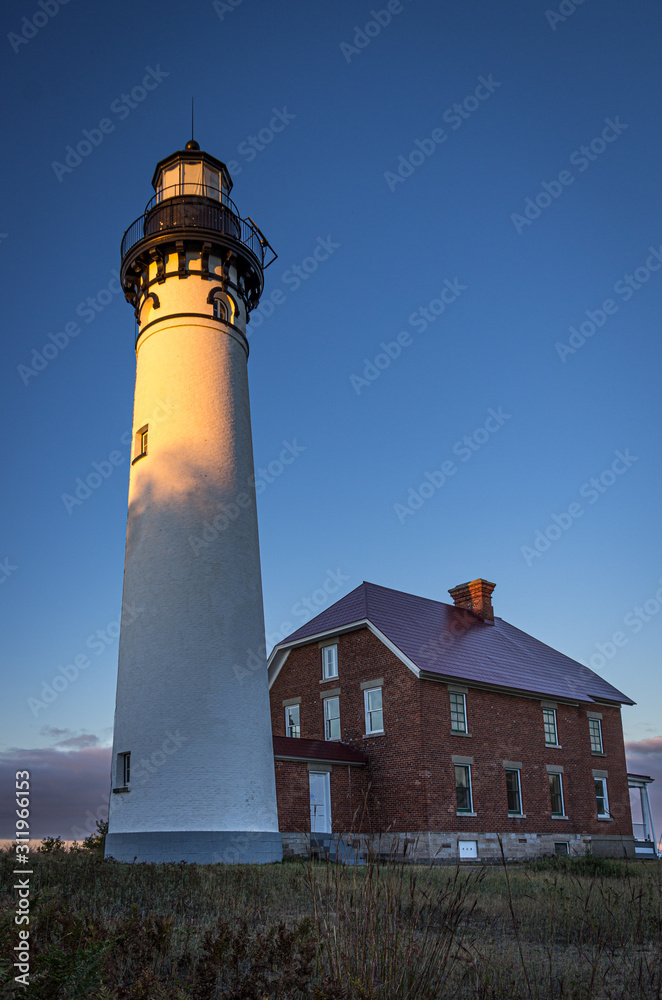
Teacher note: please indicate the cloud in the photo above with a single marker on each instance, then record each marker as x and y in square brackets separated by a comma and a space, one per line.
[645, 757]
[69, 788]
[73, 742]
[646, 747]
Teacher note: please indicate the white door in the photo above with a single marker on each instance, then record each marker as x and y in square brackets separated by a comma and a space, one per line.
[320, 801]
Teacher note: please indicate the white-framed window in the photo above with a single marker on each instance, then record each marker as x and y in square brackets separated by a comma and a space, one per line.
[124, 768]
[374, 714]
[556, 793]
[561, 848]
[329, 662]
[549, 722]
[292, 721]
[601, 796]
[332, 718]
[220, 312]
[595, 730]
[140, 443]
[458, 712]
[514, 791]
[463, 796]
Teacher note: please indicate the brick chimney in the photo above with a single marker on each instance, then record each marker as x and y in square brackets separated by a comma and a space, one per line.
[475, 596]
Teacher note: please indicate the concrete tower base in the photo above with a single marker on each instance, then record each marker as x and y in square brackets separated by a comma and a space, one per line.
[201, 847]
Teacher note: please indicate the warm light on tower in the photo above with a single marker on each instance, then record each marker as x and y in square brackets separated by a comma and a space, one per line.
[193, 771]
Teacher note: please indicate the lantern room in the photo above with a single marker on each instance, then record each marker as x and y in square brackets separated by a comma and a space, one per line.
[191, 172]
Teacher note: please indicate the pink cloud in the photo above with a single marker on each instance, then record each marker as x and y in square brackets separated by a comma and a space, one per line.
[69, 789]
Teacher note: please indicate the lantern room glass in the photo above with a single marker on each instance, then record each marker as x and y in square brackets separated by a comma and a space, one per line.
[189, 177]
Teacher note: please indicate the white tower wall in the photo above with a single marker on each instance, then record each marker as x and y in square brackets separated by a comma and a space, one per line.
[192, 695]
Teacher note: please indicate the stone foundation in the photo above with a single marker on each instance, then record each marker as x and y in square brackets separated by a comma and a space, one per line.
[440, 848]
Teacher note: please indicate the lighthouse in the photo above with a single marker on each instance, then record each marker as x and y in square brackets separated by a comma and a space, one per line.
[192, 765]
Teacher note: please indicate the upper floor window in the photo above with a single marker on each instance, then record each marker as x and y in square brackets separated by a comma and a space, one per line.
[292, 721]
[514, 792]
[220, 311]
[374, 715]
[595, 730]
[458, 712]
[463, 795]
[332, 718]
[329, 662]
[601, 797]
[549, 721]
[556, 793]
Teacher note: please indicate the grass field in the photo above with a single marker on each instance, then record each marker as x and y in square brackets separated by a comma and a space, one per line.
[550, 929]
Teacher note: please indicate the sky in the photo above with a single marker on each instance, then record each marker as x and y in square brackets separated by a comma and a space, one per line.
[483, 180]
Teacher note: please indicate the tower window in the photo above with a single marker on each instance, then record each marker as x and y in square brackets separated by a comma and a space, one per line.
[124, 768]
[220, 312]
[140, 444]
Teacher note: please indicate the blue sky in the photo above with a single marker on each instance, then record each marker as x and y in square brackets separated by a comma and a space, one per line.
[411, 154]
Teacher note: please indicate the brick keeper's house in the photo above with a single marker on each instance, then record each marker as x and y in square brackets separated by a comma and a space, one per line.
[435, 729]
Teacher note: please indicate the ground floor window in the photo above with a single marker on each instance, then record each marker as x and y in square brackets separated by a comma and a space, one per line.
[463, 788]
[556, 793]
[514, 792]
[601, 796]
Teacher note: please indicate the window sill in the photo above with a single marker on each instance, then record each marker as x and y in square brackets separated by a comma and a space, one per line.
[124, 788]
[458, 732]
[138, 457]
[516, 815]
[379, 732]
[553, 746]
[466, 814]
[560, 817]
[605, 819]
[327, 680]
[598, 753]
[332, 739]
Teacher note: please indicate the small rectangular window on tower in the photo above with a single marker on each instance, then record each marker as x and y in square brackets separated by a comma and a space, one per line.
[140, 443]
[124, 768]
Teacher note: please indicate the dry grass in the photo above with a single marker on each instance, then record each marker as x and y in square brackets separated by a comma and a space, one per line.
[559, 930]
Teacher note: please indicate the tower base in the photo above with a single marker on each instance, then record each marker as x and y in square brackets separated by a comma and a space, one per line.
[201, 847]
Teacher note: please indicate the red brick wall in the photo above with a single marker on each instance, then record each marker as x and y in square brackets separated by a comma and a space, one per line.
[411, 776]
[508, 727]
[396, 772]
[348, 790]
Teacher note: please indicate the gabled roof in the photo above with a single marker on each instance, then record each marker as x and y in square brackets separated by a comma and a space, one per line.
[333, 751]
[450, 642]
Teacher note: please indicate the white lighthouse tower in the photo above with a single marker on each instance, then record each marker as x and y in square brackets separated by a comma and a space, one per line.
[193, 771]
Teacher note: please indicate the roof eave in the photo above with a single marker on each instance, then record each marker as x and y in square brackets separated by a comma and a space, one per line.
[429, 675]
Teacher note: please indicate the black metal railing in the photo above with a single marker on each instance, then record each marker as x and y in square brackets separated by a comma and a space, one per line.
[189, 211]
[191, 188]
